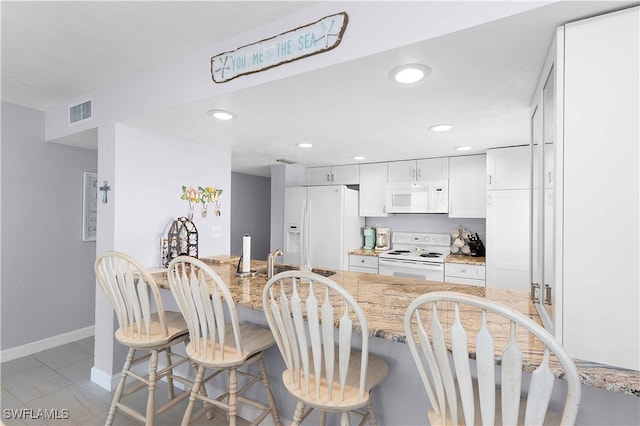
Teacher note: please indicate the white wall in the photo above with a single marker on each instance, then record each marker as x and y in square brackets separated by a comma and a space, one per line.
[146, 173]
[150, 170]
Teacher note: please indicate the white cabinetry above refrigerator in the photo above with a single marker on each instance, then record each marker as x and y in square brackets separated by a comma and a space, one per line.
[333, 175]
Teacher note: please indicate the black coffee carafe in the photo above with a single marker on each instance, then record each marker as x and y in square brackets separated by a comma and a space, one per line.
[475, 246]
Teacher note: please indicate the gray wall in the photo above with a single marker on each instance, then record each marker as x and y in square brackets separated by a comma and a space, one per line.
[48, 283]
[250, 213]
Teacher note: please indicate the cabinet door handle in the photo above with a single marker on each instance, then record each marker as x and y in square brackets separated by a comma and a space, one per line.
[547, 294]
[549, 175]
[419, 172]
[331, 177]
[413, 173]
[534, 292]
[489, 179]
[384, 209]
[328, 178]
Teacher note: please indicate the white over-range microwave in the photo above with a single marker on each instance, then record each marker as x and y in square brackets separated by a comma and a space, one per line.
[418, 197]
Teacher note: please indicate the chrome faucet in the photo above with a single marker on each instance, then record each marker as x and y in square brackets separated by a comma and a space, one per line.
[271, 260]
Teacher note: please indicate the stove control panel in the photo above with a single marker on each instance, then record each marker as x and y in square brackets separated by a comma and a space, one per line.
[419, 239]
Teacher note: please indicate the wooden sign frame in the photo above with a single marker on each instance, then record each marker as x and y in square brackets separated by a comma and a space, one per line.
[311, 39]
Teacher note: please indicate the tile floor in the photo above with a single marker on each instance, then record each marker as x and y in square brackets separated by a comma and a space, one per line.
[59, 378]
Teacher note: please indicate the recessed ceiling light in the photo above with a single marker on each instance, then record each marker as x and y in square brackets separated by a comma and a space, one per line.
[463, 148]
[441, 127]
[359, 157]
[305, 145]
[221, 114]
[410, 73]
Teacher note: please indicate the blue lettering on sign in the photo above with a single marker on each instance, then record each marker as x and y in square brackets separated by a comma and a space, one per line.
[306, 41]
[239, 62]
[257, 57]
[284, 48]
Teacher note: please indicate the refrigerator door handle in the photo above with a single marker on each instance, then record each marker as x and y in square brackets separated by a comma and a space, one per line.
[304, 259]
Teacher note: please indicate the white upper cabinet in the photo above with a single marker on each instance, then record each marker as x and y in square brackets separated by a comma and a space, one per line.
[373, 189]
[508, 168]
[317, 176]
[418, 170]
[467, 187]
[334, 175]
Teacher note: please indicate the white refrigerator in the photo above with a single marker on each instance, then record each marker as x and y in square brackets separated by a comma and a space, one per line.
[321, 226]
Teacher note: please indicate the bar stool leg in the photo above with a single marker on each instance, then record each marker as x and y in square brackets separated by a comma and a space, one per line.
[170, 374]
[297, 416]
[371, 414]
[192, 398]
[267, 388]
[118, 395]
[233, 396]
[153, 377]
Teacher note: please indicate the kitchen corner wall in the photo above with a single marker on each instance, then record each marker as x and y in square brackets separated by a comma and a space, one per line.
[251, 208]
[48, 283]
[432, 223]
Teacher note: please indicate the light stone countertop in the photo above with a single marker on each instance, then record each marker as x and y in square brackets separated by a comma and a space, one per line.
[365, 252]
[386, 320]
[466, 260]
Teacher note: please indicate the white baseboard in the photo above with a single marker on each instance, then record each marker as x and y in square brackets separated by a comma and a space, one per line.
[104, 380]
[44, 344]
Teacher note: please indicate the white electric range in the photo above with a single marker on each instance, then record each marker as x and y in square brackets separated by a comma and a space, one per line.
[416, 255]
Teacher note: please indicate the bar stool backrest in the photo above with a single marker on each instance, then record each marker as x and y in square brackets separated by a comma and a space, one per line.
[132, 292]
[433, 324]
[202, 297]
[303, 310]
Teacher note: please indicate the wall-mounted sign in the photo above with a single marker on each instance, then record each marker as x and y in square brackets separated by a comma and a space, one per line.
[318, 37]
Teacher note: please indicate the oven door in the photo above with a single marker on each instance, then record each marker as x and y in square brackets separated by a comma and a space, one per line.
[409, 269]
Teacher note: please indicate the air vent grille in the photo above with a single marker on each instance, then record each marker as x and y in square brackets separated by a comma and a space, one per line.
[285, 161]
[80, 112]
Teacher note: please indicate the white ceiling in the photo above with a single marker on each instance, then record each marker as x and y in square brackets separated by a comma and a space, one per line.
[482, 81]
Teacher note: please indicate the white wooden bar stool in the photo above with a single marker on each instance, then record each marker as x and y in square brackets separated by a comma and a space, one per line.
[132, 292]
[303, 310]
[218, 341]
[435, 320]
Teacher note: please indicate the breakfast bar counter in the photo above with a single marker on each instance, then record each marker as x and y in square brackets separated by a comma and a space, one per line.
[385, 299]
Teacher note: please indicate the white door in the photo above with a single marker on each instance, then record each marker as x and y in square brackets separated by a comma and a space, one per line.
[325, 232]
[508, 239]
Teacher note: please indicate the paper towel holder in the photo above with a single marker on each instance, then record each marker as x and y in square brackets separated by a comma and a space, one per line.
[239, 273]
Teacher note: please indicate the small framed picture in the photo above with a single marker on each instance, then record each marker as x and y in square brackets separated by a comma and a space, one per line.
[89, 206]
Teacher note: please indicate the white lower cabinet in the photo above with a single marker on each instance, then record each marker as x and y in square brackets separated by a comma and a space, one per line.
[458, 273]
[359, 263]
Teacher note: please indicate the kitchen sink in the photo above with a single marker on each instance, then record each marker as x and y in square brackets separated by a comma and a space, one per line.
[282, 268]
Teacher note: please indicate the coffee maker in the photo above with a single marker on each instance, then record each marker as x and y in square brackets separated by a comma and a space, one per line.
[383, 240]
[369, 238]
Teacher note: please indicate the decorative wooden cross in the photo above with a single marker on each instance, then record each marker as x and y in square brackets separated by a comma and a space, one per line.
[105, 187]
